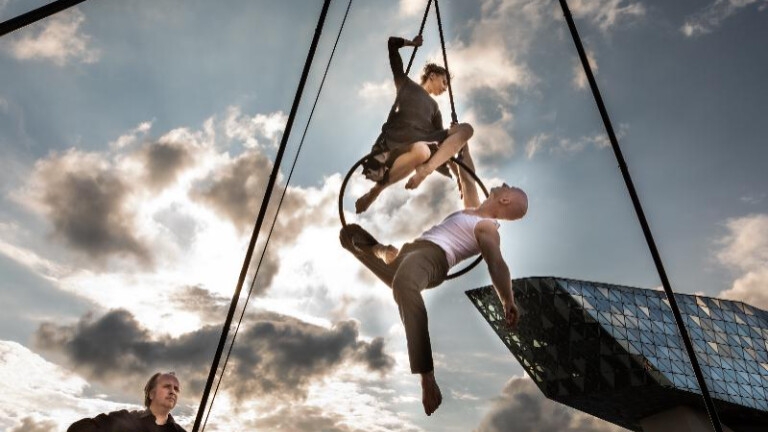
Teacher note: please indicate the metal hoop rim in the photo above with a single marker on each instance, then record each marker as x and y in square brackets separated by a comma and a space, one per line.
[461, 164]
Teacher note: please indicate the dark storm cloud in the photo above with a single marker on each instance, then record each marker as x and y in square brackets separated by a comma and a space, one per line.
[85, 201]
[209, 306]
[522, 406]
[164, 161]
[28, 424]
[274, 355]
[236, 190]
[284, 355]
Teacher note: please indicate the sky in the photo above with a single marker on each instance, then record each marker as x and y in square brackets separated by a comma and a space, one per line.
[137, 137]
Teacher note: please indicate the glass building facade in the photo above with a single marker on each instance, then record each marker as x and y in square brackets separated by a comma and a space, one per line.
[615, 351]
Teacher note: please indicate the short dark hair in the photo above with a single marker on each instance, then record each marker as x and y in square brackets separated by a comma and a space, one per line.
[151, 384]
[431, 68]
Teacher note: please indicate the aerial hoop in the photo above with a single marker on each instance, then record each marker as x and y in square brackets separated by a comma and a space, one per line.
[461, 164]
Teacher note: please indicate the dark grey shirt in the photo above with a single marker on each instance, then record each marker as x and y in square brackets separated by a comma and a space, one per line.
[415, 116]
[125, 421]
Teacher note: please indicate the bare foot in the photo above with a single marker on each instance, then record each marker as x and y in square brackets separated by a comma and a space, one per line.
[430, 393]
[366, 200]
[418, 176]
[386, 253]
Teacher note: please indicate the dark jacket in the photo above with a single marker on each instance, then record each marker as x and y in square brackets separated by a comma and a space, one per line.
[124, 421]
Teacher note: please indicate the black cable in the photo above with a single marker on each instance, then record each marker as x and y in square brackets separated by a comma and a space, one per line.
[262, 213]
[35, 15]
[710, 406]
[454, 117]
[421, 30]
[274, 219]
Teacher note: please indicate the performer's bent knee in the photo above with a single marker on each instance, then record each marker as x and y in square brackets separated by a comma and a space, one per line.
[464, 130]
[421, 151]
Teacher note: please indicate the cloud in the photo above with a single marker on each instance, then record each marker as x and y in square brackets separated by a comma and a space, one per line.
[235, 190]
[522, 405]
[209, 306]
[607, 13]
[28, 424]
[706, 20]
[131, 136]
[164, 160]
[579, 77]
[57, 39]
[301, 419]
[30, 386]
[412, 7]
[274, 355]
[744, 250]
[259, 131]
[382, 92]
[86, 201]
[566, 146]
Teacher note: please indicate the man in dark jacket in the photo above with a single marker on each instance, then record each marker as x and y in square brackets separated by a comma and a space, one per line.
[160, 396]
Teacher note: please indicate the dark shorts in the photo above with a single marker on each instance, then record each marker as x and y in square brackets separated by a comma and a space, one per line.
[384, 153]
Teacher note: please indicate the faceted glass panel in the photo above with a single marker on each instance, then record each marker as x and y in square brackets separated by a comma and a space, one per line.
[605, 349]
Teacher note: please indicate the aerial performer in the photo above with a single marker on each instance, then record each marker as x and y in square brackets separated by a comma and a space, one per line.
[425, 262]
[413, 139]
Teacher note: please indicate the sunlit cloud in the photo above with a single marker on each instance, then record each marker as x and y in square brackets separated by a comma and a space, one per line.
[57, 39]
[412, 7]
[131, 136]
[261, 130]
[35, 393]
[379, 93]
[709, 18]
[744, 250]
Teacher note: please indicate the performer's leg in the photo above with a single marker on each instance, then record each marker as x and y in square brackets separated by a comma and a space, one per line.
[424, 267]
[367, 250]
[458, 136]
[403, 165]
[418, 270]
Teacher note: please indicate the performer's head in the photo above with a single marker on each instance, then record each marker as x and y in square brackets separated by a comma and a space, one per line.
[434, 79]
[162, 391]
[508, 202]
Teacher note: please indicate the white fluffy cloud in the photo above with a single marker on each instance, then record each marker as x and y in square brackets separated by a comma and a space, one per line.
[259, 131]
[57, 39]
[35, 393]
[744, 249]
[710, 17]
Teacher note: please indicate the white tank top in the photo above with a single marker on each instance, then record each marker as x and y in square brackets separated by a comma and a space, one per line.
[456, 236]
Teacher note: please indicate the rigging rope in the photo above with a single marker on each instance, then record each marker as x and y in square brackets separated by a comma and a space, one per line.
[454, 117]
[262, 213]
[274, 219]
[710, 406]
[421, 30]
[35, 15]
